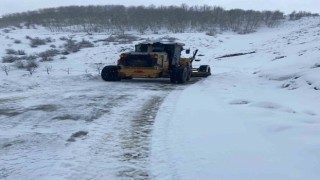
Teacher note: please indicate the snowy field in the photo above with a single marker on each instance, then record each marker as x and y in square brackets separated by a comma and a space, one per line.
[256, 117]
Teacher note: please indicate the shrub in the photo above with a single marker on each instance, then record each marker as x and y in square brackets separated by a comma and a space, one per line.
[11, 51]
[17, 41]
[6, 30]
[31, 68]
[48, 40]
[53, 46]
[63, 38]
[30, 57]
[14, 52]
[21, 52]
[127, 37]
[317, 65]
[78, 134]
[31, 64]
[212, 32]
[35, 42]
[48, 54]
[71, 46]
[19, 26]
[65, 52]
[9, 59]
[85, 44]
[123, 38]
[111, 39]
[19, 64]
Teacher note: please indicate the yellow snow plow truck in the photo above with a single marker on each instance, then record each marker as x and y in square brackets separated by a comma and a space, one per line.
[155, 60]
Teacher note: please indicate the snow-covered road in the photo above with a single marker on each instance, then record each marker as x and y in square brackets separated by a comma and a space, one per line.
[79, 128]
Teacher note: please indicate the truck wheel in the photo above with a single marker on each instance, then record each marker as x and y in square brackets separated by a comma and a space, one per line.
[110, 73]
[182, 74]
[209, 71]
[189, 73]
[173, 76]
[128, 77]
[206, 69]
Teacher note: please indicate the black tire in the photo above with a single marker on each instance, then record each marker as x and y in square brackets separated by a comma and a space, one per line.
[173, 76]
[182, 74]
[189, 73]
[209, 71]
[129, 77]
[206, 69]
[203, 68]
[110, 73]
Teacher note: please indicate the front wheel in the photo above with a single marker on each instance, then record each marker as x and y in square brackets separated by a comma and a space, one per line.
[189, 73]
[110, 73]
[206, 69]
[182, 75]
[173, 76]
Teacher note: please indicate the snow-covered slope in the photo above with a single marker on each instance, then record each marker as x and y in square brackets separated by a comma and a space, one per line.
[256, 117]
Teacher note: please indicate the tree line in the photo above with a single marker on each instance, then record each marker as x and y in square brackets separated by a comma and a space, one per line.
[118, 18]
[298, 15]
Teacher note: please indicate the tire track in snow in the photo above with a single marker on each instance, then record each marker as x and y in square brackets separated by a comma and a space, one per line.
[119, 118]
[136, 142]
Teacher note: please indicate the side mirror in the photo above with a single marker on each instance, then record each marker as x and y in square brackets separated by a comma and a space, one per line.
[197, 60]
[188, 51]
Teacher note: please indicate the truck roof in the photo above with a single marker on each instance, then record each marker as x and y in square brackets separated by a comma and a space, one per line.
[162, 42]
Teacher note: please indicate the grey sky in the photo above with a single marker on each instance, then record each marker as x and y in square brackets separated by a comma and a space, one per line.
[287, 6]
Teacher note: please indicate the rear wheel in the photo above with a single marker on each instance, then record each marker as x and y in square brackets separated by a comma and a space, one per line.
[182, 75]
[189, 73]
[173, 76]
[110, 73]
[128, 77]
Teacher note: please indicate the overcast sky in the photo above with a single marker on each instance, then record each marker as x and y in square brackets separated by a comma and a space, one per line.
[287, 6]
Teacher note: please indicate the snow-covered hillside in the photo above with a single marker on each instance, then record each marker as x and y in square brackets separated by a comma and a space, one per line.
[256, 117]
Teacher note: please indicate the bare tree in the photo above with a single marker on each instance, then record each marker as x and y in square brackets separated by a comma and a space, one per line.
[5, 69]
[98, 67]
[31, 66]
[118, 18]
[48, 69]
[31, 69]
[66, 70]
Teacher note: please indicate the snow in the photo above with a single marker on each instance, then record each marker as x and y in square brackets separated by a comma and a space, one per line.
[243, 122]
[256, 117]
